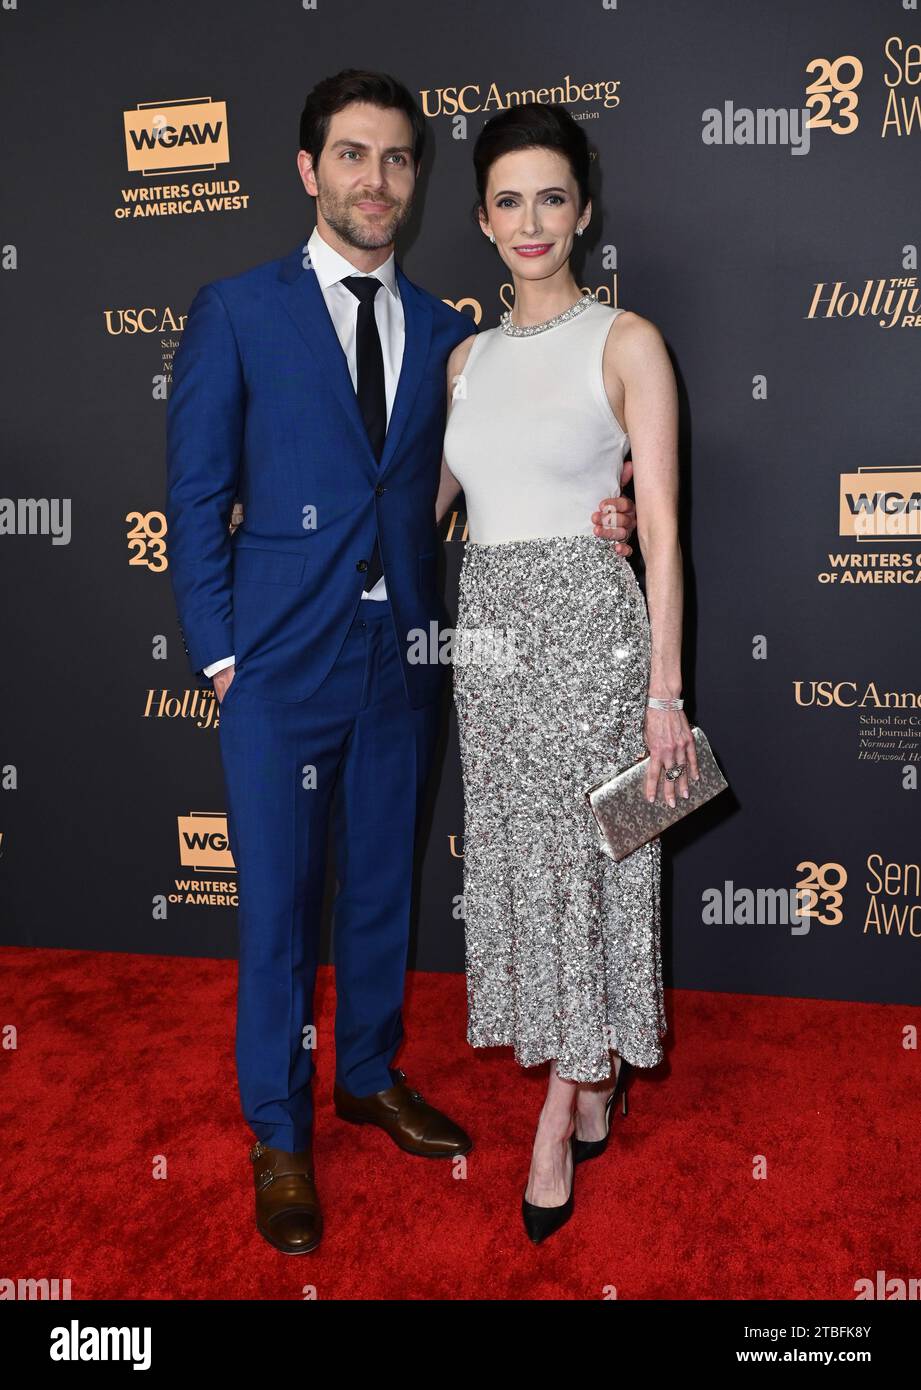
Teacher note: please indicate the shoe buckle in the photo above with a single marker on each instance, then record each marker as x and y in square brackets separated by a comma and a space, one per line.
[257, 1150]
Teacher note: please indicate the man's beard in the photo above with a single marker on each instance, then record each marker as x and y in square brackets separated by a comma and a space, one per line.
[339, 213]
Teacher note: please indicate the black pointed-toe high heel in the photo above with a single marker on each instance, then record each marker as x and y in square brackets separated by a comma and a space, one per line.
[540, 1222]
[593, 1148]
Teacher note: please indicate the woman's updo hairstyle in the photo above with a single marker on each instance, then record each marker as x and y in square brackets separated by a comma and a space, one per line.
[529, 126]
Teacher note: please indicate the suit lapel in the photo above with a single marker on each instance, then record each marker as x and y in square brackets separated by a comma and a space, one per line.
[417, 315]
[303, 299]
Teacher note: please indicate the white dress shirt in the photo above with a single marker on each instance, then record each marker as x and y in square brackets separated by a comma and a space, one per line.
[331, 268]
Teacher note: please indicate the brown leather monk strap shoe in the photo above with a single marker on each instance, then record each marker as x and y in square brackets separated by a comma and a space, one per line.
[287, 1207]
[413, 1124]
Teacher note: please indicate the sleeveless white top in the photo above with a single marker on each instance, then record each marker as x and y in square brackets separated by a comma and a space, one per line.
[531, 436]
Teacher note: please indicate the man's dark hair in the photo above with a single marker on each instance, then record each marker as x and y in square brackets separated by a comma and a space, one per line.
[356, 84]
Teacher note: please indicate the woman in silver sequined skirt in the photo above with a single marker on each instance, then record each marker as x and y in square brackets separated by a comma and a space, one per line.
[551, 672]
[557, 681]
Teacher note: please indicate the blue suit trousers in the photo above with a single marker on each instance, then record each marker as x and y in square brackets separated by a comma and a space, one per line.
[356, 755]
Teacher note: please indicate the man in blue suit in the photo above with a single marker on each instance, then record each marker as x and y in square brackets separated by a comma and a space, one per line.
[314, 388]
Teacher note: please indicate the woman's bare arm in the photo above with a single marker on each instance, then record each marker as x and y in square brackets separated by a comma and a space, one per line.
[449, 487]
[651, 420]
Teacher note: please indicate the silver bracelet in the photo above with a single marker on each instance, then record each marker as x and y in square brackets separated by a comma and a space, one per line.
[676, 703]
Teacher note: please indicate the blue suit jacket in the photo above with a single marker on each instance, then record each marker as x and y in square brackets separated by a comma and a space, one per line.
[262, 407]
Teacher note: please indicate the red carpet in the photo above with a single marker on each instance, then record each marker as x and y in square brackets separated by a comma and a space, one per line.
[124, 1058]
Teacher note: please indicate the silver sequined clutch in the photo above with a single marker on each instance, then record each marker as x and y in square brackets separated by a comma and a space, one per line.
[627, 820]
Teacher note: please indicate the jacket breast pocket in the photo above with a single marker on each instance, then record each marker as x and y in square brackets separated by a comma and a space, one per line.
[268, 566]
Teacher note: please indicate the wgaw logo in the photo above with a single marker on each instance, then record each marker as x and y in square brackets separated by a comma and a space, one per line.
[203, 841]
[878, 503]
[176, 136]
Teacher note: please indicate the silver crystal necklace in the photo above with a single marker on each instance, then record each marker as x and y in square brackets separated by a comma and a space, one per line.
[515, 330]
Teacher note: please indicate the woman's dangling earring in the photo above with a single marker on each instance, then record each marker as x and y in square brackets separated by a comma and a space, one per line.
[492, 238]
[579, 231]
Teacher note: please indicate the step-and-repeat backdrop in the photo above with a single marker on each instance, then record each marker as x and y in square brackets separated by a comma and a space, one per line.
[757, 198]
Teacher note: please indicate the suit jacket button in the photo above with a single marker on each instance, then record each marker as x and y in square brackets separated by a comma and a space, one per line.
[362, 565]
[379, 490]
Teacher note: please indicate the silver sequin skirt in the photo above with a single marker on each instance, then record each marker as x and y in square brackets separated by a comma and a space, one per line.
[551, 673]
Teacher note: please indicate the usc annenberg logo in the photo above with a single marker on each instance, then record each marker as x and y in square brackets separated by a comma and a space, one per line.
[848, 695]
[176, 136]
[470, 98]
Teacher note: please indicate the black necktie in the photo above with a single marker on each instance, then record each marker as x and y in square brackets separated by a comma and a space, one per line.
[372, 396]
